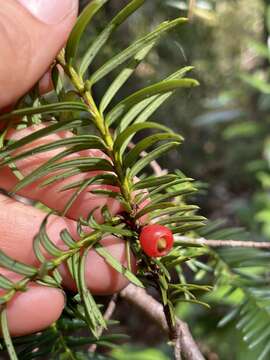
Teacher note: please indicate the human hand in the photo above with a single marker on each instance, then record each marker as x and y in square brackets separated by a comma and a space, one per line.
[32, 32]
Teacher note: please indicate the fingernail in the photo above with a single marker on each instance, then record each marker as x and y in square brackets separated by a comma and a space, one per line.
[49, 11]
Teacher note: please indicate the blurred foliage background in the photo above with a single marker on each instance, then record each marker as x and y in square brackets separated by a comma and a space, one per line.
[225, 123]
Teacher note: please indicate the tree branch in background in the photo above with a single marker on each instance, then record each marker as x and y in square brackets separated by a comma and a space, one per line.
[192, 4]
[184, 343]
[183, 240]
[178, 348]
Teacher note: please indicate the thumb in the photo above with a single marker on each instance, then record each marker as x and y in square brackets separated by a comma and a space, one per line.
[31, 34]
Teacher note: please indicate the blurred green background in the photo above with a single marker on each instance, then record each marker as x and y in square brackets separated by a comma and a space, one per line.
[225, 123]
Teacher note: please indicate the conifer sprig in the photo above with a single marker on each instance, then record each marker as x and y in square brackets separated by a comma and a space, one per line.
[74, 109]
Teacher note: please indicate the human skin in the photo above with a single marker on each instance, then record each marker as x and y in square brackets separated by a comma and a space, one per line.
[31, 34]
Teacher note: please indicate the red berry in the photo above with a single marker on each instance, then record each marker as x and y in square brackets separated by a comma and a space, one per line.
[156, 240]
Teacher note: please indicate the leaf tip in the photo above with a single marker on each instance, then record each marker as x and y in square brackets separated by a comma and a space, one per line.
[195, 83]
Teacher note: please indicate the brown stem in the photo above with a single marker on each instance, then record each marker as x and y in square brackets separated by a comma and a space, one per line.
[184, 343]
[171, 327]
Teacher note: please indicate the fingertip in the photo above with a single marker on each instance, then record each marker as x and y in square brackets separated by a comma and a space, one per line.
[34, 310]
[23, 59]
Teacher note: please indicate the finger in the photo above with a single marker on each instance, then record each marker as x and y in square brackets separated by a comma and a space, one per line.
[85, 202]
[35, 309]
[20, 223]
[31, 34]
[45, 84]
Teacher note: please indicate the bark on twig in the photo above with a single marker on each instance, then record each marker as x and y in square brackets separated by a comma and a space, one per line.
[189, 348]
[177, 347]
[184, 343]
[222, 243]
